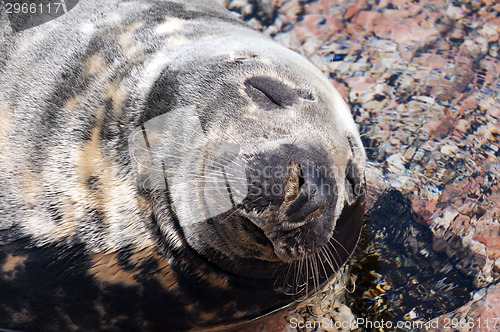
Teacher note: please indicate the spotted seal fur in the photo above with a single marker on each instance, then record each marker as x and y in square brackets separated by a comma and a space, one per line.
[163, 166]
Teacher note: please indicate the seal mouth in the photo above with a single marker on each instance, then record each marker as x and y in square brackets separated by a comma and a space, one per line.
[309, 239]
[264, 255]
[311, 272]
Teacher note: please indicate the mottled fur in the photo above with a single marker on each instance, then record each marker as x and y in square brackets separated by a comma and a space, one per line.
[92, 248]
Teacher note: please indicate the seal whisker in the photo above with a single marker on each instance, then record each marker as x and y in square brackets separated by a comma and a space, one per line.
[290, 285]
[306, 280]
[222, 159]
[212, 181]
[326, 259]
[203, 176]
[200, 173]
[285, 284]
[336, 253]
[299, 284]
[176, 144]
[219, 178]
[236, 209]
[134, 140]
[333, 258]
[175, 141]
[210, 161]
[313, 286]
[302, 275]
[231, 137]
[312, 276]
[298, 288]
[277, 278]
[298, 271]
[316, 273]
[340, 244]
[322, 264]
[175, 170]
[289, 273]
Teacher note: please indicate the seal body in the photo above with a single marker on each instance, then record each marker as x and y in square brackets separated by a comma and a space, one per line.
[165, 167]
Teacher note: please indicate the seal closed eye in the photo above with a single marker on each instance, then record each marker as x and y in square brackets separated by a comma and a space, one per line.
[269, 93]
[176, 170]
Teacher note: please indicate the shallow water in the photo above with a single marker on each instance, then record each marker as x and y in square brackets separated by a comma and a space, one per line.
[399, 275]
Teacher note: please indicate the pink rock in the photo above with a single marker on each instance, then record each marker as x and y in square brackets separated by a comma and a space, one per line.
[365, 19]
[326, 7]
[359, 85]
[433, 61]
[462, 125]
[354, 9]
[487, 231]
[317, 26]
[491, 67]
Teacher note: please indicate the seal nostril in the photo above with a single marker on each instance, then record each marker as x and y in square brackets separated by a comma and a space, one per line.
[301, 177]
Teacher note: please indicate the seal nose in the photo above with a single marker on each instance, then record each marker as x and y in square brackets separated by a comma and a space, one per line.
[298, 180]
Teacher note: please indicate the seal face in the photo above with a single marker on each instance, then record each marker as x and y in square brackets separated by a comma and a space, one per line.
[175, 170]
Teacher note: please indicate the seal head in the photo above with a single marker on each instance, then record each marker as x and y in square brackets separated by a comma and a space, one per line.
[266, 166]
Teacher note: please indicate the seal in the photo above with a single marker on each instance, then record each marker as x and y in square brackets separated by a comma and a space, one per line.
[163, 166]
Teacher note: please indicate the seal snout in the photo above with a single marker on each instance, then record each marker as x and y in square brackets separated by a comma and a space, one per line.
[292, 195]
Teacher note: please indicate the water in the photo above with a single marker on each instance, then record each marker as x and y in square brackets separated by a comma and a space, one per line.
[399, 274]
